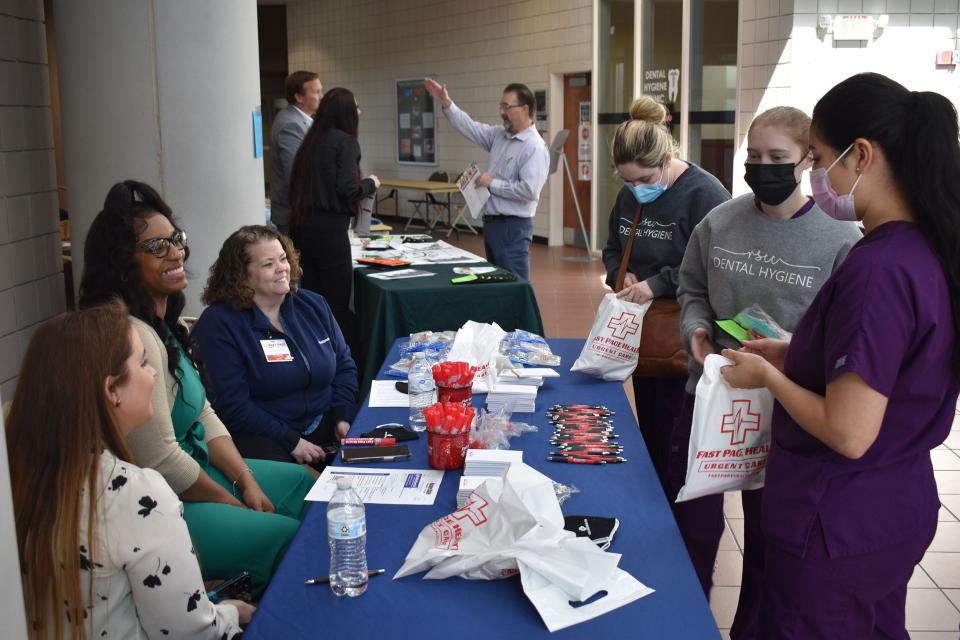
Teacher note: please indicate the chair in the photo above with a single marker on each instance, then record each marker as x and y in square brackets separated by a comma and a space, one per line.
[429, 201]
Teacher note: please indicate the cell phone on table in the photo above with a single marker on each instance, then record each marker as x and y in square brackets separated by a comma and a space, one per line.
[357, 455]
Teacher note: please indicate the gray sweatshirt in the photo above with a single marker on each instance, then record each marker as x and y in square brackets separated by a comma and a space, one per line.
[738, 256]
[664, 229]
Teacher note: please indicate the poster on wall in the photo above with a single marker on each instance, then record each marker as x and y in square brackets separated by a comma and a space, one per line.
[416, 124]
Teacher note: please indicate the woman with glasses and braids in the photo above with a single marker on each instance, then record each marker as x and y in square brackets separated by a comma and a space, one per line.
[241, 513]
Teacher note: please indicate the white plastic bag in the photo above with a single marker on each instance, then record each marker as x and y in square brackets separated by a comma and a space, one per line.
[611, 350]
[478, 345]
[523, 532]
[730, 437]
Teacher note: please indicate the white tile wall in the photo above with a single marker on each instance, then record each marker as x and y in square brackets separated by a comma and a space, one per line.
[808, 61]
[31, 280]
[476, 47]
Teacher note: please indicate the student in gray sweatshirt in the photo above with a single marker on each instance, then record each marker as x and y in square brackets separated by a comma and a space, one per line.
[774, 248]
[675, 196]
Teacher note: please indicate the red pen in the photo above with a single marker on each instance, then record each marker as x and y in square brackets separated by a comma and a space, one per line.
[575, 460]
[375, 442]
[584, 453]
[596, 458]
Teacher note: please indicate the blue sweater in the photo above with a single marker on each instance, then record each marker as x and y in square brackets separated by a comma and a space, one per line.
[276, 399]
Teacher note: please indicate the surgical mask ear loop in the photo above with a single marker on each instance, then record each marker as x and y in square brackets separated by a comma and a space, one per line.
[855, 183]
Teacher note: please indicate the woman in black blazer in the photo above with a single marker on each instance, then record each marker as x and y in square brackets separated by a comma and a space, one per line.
[325, 193]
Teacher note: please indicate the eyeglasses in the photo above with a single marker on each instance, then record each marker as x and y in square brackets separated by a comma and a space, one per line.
[160, 247]
[504, 106]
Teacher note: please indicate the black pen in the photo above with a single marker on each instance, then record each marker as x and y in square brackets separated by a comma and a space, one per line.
[326, 579]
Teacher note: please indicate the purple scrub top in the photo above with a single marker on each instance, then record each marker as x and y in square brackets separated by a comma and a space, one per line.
[884, 315]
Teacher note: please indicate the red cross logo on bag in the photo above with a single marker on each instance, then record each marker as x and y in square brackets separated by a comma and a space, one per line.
[739, 421]
[472, 511]
[623, 325]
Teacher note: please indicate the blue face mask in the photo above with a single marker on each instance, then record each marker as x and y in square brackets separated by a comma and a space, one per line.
[647, 193]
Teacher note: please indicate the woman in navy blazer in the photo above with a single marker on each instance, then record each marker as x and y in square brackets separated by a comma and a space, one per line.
[274, 361]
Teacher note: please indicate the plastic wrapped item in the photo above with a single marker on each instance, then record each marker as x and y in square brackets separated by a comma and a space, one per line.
[435, 345]
[753, 323]
[758, 322]
[523, 347]
[564, 492]
[494, 429]
[432, 342]
[400, 368]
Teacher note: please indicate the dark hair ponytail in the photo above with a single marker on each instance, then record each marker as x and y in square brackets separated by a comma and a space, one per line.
[918, 133]
[337, 110]
[110, 268]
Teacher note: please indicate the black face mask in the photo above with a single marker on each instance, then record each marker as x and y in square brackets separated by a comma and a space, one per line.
[772, 183]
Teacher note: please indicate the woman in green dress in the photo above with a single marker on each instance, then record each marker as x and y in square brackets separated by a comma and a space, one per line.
[241, 513]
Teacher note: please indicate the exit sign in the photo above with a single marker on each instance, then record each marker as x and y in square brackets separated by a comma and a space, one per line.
[853, 27]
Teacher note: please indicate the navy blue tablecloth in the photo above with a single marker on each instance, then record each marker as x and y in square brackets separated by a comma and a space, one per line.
[648, 540]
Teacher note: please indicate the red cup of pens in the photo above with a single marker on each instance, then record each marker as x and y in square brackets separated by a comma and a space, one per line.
[448, 433]
[454, 382]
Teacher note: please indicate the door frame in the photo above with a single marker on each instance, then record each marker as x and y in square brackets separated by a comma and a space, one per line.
[555, 124]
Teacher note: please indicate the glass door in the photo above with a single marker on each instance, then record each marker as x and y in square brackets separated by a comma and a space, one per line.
[713, 87]
[615, 71]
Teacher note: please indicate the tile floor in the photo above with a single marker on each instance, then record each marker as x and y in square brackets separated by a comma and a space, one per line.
[568, 294]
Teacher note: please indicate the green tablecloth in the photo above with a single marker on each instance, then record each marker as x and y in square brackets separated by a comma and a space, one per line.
[389, 309]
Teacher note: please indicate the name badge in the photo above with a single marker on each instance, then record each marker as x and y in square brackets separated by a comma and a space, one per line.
[276, 350]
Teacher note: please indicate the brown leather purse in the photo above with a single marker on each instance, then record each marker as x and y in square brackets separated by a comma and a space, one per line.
[661, 348]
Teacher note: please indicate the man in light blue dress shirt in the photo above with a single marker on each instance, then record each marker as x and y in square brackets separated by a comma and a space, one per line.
[516, 172]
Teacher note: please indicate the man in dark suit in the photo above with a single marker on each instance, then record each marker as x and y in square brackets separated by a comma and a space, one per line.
[289, 127]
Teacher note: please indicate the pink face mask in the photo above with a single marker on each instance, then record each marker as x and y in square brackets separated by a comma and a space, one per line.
[838, 207]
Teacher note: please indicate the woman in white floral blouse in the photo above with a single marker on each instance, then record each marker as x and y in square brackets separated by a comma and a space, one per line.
[104, 550]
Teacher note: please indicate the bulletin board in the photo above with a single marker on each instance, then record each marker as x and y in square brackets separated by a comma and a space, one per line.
[416, 124]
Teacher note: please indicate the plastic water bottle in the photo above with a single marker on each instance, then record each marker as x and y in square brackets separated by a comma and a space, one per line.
[420, 389]
[347, 535]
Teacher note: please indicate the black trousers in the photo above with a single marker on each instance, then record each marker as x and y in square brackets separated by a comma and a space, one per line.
[265, 448]
[327, 264]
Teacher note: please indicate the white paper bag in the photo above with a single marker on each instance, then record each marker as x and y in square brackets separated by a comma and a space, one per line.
[478, 345]
[611, 350]
[730, 437]
[523, 532]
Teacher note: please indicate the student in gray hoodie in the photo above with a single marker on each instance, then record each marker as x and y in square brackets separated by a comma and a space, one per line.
[675, 196]
[774, 248]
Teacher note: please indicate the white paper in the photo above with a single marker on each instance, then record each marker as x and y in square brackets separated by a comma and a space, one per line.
[383, 393]
[530, 372]
[427, 120]
[400, 274]
[381, 486]
[404, 120]
[416, 253]
[475, 196]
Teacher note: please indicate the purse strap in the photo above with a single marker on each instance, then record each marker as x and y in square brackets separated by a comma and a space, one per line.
[622, 272]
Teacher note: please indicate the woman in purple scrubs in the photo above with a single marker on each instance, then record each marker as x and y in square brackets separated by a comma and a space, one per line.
[868, 385]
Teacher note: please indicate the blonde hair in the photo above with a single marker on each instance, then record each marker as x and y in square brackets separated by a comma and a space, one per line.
[644, 139]
[794, 122]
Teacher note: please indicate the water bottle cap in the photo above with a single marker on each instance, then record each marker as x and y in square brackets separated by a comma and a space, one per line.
[344, 482]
